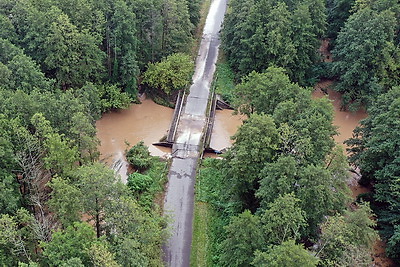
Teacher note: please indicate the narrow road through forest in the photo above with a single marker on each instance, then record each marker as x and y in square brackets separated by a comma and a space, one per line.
[179, 198]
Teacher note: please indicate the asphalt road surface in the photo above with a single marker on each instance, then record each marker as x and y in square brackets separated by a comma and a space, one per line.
[179, 198]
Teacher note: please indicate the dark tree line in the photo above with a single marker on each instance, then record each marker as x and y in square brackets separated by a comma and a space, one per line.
[375, 149]
[258, 34]
[367, 52]
[62, 64]
[367, 67]
[75, 42]
[283, 182]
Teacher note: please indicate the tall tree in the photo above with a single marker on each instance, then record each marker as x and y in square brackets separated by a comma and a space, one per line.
[176, 31]
[244, 236]
[16, 237]
[194, 7]
[98, 186]
[136, 236]
[124, 46]
[374, 148]
[65, 201]
[362, 53]
[171, 74]
[283, 220]
[305, 42]
[285, 255]
[73, 242]
[341, 233]
[258, 35]
[59, 155]
[149, 23]
[72, 56]
[236, 30]
[338, 12]
[306, 127]
[256, 143]
[7, 28]
[20, 71]
[262, 92]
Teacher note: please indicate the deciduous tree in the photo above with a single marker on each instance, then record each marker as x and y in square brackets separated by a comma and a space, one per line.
[171, 74]
[244, 237]
[285, 255]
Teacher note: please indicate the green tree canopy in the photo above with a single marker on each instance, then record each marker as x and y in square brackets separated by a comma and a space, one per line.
[98, 186]
[256, 143]
[171, 74]
[262, 92]
[73, 242]
[65, 201]
[244, 236]
[341, 234]
[365, 58]
[283, 219]
[287, 254]
[374, 150]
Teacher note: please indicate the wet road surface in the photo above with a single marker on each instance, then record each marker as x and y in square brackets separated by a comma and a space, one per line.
[179, 198]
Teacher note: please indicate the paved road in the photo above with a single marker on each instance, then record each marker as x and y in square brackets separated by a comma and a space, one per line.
[179, 199]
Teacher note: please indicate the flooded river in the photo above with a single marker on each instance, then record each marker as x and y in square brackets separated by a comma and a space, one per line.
[346, 121]
[146, 122]
[150, 122]
[225, 126]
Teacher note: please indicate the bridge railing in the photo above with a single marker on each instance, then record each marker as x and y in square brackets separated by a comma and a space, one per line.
[210, 121]
[175, 118]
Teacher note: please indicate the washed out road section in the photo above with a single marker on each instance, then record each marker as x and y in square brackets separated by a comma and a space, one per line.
[178, 202]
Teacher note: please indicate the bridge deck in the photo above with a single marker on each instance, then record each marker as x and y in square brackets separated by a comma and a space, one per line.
[178, 203]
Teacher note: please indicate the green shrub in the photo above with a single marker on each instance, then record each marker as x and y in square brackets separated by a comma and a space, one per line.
[139, 183]
[139, 156]
[224, 84]
[112, 98]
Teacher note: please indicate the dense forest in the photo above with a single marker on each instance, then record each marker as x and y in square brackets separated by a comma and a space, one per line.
[62, 64]
[279, 196]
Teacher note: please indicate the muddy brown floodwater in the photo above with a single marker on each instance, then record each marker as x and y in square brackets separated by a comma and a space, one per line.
[146, 122]
[149, 122]
[225, 126]
[347, 121]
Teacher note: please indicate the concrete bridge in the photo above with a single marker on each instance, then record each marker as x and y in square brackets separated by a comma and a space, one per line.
[190, 132]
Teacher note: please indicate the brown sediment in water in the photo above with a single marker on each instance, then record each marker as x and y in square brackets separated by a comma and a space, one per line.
[225, 126]
[150, 122]
[147, 122]
[379, 256]
[347, 121]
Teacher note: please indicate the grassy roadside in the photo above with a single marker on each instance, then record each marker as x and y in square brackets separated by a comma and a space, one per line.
[224, 80]
[200, 242]
[199, 30]
[209, 220]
